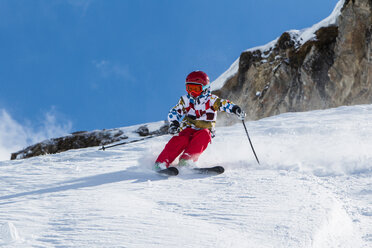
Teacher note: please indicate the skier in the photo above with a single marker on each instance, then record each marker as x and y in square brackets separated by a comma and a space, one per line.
[192, 122]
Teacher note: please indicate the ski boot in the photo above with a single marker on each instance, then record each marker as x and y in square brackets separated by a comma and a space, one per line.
[185, 163]
[159, 166]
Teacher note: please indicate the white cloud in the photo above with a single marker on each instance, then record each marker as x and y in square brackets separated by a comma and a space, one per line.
[14, 136]
[109, 69]
[81, 4]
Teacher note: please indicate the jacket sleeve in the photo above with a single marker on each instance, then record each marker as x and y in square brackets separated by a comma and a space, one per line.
[177, 112]
[224, 105]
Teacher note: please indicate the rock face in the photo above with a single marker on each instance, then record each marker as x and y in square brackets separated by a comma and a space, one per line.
[74, 141]
[331, 69]
[85, 139]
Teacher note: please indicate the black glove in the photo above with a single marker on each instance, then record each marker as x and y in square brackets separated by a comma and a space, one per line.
[173, 127]
[239, 112]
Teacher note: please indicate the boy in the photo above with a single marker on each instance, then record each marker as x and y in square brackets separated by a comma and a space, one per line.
[192, 122]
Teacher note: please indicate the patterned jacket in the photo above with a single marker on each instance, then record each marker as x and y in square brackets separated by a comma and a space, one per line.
[200, 112]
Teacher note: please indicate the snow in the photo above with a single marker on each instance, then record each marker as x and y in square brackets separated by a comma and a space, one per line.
[220, 81]
[14, 136]
[299, 36]
[133, 135]
[312, 189]
[309, 33]
[9, 233]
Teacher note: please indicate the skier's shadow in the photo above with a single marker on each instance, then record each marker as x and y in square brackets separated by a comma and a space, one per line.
[87, 182]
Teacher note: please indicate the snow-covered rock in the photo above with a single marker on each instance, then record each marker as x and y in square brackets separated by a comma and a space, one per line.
[324, 66]
[86, 139]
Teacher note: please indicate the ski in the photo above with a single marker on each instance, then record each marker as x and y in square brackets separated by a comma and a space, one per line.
[210, 170]
[171, 171]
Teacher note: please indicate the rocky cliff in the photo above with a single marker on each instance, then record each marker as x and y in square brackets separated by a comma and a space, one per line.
[86, 139]
[327, 65]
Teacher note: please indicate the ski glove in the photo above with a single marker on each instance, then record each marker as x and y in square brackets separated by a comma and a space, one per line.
[239, 112]
[173, 127]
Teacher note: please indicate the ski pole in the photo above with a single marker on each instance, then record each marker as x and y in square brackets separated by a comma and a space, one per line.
[126, 142]
[105, 147]
[250, 142]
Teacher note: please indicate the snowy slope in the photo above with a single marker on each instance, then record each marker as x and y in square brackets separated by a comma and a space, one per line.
[312, 189]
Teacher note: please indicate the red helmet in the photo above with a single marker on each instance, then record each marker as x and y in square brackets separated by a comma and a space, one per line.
[198, 77]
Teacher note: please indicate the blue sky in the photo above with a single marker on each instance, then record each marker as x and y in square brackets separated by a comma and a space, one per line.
[94, 64]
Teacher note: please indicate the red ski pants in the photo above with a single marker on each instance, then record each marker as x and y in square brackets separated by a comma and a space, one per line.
[190, 141]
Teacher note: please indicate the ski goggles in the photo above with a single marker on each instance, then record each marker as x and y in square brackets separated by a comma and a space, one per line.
[194, 88]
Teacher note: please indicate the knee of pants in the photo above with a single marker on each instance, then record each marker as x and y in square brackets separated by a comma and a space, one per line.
[205, 134]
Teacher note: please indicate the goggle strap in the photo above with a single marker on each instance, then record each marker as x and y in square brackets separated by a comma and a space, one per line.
[206, 87]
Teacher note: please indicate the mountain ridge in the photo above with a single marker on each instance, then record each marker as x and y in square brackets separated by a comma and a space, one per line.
[325, 66]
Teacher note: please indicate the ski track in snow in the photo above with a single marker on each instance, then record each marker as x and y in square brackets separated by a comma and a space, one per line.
[312, 189]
